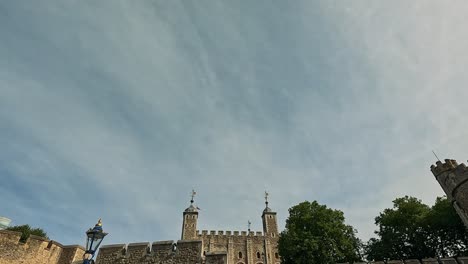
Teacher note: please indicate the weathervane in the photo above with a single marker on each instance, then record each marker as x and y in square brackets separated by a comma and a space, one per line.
[193, 195]
[266, 198]
[249, 223]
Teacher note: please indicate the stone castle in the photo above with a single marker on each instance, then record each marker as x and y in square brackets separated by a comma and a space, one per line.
[213, 247]
[36, 250]
[194, 247]
[209, 247]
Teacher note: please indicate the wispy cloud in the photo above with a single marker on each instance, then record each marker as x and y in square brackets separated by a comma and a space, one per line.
[117, 109]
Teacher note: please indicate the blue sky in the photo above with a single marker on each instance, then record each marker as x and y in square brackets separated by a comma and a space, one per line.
[117, 109]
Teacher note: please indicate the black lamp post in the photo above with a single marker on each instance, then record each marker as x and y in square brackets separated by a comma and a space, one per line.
[95, 237]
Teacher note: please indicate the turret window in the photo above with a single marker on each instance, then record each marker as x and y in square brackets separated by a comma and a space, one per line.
[240, 254]
[258, 254]
[276, 255]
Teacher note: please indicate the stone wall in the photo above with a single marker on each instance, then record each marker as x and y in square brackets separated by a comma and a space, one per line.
[240, 246]
[71, 254]
[453, 178]
[162, 252]
[36, 250]
[216, 258]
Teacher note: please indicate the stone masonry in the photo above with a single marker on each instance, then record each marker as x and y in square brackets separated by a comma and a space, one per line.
[36, 250]
[212, 247]
[205, 247]
[453, 178]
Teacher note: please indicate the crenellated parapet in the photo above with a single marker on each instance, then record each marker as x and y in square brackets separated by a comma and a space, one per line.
[220, 233]
[440, 167]
[36, 250]
[182, 251]
[453, 178]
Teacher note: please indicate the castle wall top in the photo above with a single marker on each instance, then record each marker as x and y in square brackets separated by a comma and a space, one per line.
[440, 167]
[221, 233]
[184, 251]
[35, 250]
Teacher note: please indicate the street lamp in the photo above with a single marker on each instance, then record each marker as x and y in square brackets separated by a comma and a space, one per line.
[95, 237]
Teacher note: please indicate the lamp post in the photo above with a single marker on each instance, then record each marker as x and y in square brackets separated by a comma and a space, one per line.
[94, 238]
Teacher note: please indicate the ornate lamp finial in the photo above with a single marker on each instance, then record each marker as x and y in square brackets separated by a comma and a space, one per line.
[99, 223]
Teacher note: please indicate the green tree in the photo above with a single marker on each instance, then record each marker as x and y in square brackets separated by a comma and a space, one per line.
[375, 249]
[317, 234]
[448, 234]
[402, 232]
[412, 229]
[26, 231]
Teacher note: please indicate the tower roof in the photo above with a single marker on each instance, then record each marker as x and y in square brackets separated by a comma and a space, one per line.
[191, 209]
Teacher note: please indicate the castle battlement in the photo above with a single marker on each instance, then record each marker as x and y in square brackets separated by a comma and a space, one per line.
[182, 251]
[453, 178]
[450, 175]
[449, 164]
[205, 246]
[222, 233]
[36, 250]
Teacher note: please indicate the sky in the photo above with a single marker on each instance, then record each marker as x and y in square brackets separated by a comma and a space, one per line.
[118, 109]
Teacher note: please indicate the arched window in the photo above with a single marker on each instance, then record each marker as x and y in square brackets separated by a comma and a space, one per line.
[276, 255]
[258, 255]
[240, 254]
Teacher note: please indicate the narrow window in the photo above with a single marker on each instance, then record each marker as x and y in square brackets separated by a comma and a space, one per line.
[258, 254]
[276, 255]
[240, 254]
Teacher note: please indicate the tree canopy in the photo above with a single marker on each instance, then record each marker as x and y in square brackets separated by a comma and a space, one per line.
[317, 234]
[412, 229]
[26, 231]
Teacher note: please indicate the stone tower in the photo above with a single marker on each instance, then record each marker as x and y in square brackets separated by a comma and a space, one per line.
[270, 225]
[453, 178]
[189, 226]
[270, 232]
